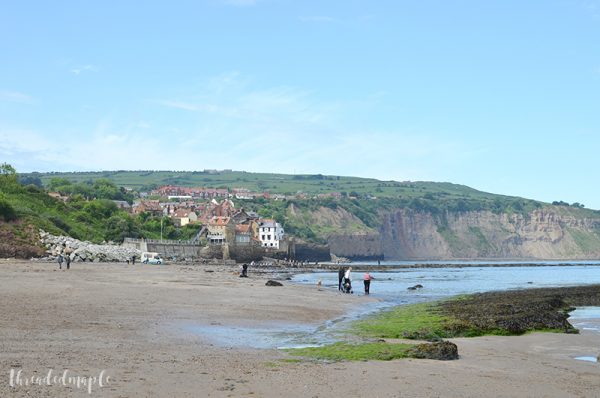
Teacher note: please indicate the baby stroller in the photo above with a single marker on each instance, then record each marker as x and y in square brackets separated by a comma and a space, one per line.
[347, 287]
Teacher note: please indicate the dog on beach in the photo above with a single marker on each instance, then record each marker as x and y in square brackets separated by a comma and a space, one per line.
[319, 284]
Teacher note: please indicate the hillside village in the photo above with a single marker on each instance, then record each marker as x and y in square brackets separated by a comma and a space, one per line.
[201, 217]
[215, 214]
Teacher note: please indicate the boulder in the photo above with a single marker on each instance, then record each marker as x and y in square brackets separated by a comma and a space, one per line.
[271, 282]
[441, 350]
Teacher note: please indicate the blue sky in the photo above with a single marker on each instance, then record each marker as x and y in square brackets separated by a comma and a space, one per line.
[503, 96]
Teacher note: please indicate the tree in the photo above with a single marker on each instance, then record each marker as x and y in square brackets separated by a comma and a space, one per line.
[58, 184]
[105, 189]
[121, 226]
[31, 180]
[8, 178]
[100, 209]
[7, 170]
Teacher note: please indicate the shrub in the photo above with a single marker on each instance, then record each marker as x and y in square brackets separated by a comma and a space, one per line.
[7, 211]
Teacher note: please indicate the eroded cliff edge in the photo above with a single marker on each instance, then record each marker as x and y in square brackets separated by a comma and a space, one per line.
[547, 233]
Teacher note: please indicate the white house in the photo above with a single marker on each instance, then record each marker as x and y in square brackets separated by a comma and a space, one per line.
[270, 232]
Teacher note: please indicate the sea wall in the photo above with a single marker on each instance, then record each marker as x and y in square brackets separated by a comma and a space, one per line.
[311, 252]
[167, 248]
[357, 246]
[175, 250]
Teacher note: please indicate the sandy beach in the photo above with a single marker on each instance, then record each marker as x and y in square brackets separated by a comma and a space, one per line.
[139, 324]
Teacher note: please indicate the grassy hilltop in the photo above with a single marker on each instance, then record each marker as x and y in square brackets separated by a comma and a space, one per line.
[286, 184]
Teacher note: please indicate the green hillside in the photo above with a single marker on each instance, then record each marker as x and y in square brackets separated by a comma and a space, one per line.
[89, 214]
[418, 195]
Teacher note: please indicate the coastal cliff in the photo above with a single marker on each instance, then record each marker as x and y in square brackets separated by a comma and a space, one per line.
[546, 233]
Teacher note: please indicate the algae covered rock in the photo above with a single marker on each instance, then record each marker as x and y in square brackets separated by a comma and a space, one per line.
[441, 350]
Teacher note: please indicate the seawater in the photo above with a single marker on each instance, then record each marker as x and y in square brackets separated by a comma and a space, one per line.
[391, 288]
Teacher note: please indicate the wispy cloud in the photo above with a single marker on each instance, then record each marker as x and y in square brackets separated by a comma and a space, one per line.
[283, 105]
[297, 131]
[84, 68]
[231, 122]
[26, 149]
[15, 96]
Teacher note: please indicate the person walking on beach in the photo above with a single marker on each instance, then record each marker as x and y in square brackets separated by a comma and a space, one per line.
[340, 278]
[67, 253]
[60, 259]
[347, 281]
[367, 280]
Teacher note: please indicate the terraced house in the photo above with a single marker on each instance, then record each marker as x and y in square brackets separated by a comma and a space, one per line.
[220, 230]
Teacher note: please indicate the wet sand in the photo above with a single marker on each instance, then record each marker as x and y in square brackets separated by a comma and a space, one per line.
[134, 323]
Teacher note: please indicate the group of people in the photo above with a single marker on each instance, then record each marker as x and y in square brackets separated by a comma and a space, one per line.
[345, 280]
[66, 258]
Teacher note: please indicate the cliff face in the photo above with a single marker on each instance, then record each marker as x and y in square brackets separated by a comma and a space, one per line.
[547, 233]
